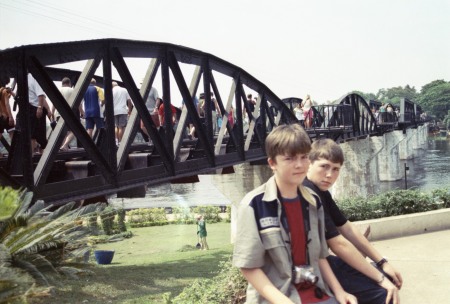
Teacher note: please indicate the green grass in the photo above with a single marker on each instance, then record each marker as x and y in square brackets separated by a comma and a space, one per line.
[147, 266]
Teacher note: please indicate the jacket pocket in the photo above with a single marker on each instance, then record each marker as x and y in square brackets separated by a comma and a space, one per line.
[277, 252]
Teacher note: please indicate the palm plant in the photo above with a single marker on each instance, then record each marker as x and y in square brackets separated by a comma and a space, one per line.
[44, 243]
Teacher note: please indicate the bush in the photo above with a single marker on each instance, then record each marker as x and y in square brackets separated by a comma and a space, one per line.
[146, 217]
[107, 218]
[397, 202]
[183, 215]
[210, 213]
[441, 197]
[228, 212]
[228, 286]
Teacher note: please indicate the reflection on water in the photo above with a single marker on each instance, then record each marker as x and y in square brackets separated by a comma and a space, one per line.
[428, 170]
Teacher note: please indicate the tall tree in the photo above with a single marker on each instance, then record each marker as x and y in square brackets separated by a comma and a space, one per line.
[435, 98]
[395, 94]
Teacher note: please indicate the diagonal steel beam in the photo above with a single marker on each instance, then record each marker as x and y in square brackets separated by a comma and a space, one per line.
[109, 143]
[135, 116]
[141, 109]
[185, 113]
[240, 119]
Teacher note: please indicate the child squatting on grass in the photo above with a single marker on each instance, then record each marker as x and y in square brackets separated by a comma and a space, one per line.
[357, 277]
[280, 244]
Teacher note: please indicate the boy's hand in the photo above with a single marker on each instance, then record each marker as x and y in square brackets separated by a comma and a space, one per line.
[392, 292]
[394, 274]
[346, 298]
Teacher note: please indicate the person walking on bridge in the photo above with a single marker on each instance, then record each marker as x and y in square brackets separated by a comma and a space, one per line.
[6, 117]
[307, 111]
[122, 108]
[94, 98]
[66, 91]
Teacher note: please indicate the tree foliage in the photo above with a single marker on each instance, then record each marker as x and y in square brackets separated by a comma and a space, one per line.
[446, 120]
[435, 98]
[395, 94]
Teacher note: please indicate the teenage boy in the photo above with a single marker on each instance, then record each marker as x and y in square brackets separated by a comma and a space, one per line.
[363, 280]
[280, 230]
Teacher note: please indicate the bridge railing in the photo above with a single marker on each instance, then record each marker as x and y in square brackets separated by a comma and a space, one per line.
[387, 118]
[332, 117]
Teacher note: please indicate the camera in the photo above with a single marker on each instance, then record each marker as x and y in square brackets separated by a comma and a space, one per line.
[303, 274]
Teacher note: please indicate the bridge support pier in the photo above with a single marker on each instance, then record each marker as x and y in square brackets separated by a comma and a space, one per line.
[359, 174]
[406, 144]
[388, 159]
[422, 136]
[136, 160]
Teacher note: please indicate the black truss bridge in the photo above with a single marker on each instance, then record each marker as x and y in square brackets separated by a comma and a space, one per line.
[98, 167]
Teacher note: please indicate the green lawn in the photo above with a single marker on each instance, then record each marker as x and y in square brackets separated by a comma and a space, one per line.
[147, 266]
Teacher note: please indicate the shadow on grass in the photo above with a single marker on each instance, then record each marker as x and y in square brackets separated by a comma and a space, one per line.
[138, 284]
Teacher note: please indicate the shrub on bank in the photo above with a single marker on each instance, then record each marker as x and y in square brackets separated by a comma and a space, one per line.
[396, 202]
[145, 217]
[210, 213]
[229, 286]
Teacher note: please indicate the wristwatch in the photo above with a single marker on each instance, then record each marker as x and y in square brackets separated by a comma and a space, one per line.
[381, 262]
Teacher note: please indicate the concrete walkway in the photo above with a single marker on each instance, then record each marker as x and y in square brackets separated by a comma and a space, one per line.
[424, 262]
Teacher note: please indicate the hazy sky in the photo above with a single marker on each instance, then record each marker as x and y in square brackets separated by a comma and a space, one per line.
[325, 48]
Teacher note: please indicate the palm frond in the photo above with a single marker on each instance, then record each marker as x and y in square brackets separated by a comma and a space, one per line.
[25, 199]
[32, 270]
[41, 247]
[37, 208]
[10, 225]
[5, 256]
[74, 272]
[63, 210]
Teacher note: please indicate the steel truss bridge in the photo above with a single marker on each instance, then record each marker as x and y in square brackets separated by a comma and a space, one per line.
[98, 168]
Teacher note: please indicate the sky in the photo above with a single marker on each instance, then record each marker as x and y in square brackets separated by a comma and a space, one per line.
[325, 48]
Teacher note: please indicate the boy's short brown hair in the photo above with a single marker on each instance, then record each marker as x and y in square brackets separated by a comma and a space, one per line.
[287, 140]
[327, 149]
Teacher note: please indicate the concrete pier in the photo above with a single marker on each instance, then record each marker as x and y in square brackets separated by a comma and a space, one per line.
[373, 159]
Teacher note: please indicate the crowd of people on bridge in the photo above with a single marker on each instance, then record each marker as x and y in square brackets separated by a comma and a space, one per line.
[386, 113]
[92, 108]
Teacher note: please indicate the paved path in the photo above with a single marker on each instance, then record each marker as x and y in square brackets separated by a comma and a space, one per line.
[424, 261]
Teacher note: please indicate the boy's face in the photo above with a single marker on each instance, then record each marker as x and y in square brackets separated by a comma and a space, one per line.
[323, 173]
[290, 170]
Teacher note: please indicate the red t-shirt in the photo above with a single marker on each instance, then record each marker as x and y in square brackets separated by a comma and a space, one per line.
[294, 215]
[161, 112]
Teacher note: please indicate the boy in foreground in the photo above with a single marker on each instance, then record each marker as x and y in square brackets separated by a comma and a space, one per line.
[280, 243]
[363, 280]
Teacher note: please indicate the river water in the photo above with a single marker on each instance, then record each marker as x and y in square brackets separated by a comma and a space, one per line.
[429, 169]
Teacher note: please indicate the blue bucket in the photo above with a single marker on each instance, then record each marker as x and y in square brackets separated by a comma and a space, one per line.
[104, 256]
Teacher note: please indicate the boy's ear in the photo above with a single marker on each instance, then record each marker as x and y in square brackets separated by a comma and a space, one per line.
[271, 162]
